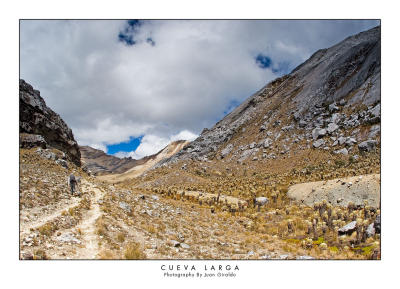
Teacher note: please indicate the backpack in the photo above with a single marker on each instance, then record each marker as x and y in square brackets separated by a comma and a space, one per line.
[72, 178]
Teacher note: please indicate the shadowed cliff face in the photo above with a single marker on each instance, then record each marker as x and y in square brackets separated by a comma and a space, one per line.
[336, 91]
[39, 125]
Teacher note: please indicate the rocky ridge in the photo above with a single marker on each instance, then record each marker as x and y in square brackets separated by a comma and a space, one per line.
[100, 163]
[330, 102]
[41, 126]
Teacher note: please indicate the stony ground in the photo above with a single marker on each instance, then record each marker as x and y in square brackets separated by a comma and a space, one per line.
[340, 191]
[132, 221]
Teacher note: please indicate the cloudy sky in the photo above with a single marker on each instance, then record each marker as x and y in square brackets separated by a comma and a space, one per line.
[131, 87]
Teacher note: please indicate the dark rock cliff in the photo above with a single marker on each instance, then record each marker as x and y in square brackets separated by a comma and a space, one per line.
[41, 126]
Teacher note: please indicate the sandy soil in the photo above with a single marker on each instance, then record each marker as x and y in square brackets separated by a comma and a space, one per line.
[340, 191]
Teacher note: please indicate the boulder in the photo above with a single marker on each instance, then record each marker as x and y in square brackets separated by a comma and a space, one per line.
[285, 149]
[374, 130]
[184, 246]
[318, 143]
[348, 229]
[350, 141]
[27, 256]
[226, 150]
[342, 151]
[125, 207]
[335, 118]
[175, 243]
[333, 107]
[261, 201]
[267, 143]
[68, 238]
[377, 224]
[31, 140]
[287, 128]
[318, 133]
[370, 230]
[374, 114]
[367, 146]
[62, 163]
[341, 140]
[302, 123]
[47, 154]
[332, 127]
[247, 153]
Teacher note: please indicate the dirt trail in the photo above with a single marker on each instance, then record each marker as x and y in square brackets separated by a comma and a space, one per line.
[68, 243]
[90, 247]
[25, 227]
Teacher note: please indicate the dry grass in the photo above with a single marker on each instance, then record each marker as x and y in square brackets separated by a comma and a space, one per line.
[134, 252]
[121, 237]
[47, 229]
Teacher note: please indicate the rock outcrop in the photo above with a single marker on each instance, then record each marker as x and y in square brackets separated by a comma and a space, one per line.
[41, 126]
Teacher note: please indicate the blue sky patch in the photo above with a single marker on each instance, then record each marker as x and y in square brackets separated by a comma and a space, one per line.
[127, 34]
[263, 61]
[279, 68]
[127, 39]
[128, 146]
[134, 23]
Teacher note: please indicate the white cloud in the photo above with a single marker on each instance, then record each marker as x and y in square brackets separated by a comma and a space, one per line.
[107, 91]
[122, 154]
[184, 135]
[152, 144]
[98, 146]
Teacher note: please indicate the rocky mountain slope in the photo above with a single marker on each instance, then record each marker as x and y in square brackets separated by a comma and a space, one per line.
[331, 102]
[300, 158]
[100, 163]
[146, 163]
[41, 126]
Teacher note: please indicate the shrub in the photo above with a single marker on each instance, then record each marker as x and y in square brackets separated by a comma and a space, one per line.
[40, 255]
[121, 237]
[47, 229]
[133, 252]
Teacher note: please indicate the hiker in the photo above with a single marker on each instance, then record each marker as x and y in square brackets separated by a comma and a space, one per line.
[72, 183]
